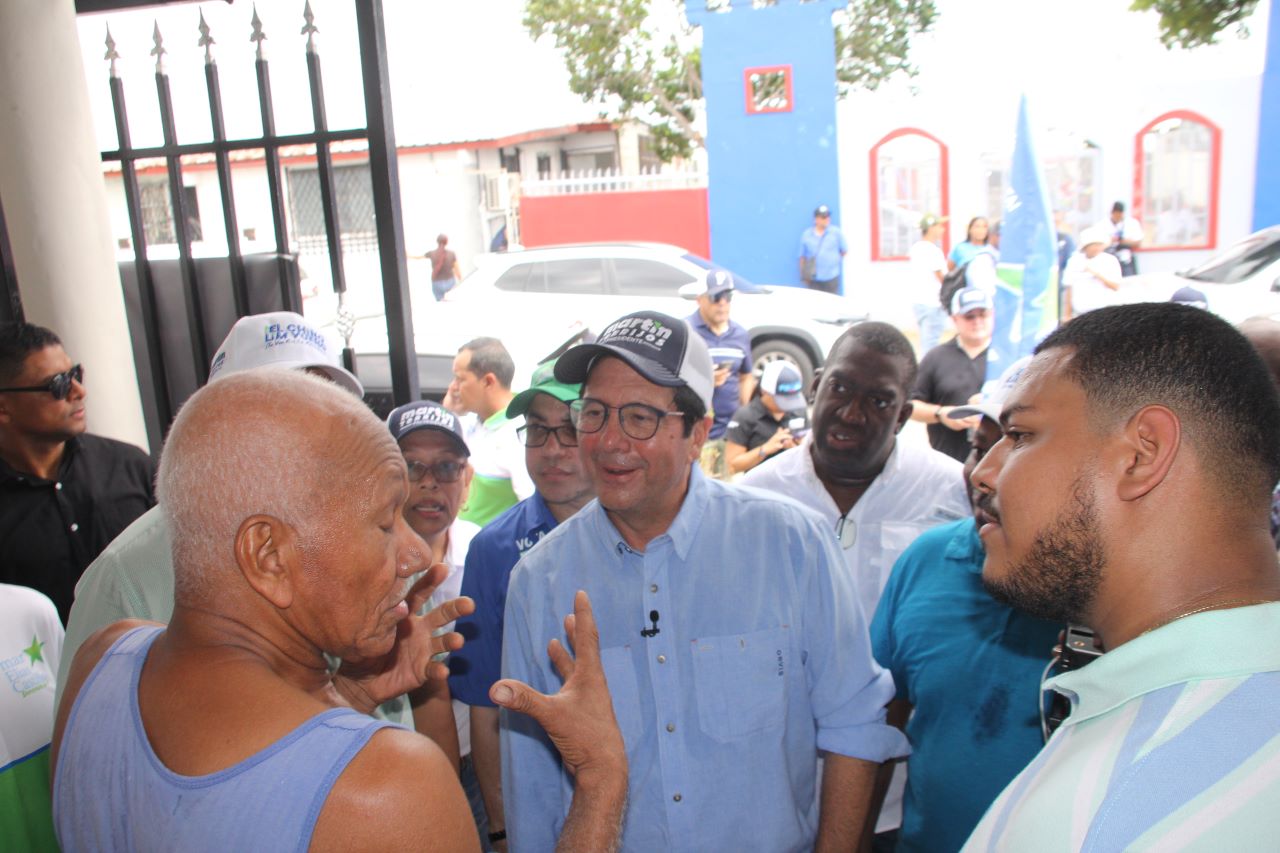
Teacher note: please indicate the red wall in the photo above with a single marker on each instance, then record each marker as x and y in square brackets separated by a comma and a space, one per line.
[660, 216]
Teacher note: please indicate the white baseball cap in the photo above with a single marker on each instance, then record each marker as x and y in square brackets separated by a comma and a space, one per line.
[280, 339]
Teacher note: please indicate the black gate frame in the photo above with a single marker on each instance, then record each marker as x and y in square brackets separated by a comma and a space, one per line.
[379, 136]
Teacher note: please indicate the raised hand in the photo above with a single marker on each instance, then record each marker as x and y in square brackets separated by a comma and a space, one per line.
[418, 654]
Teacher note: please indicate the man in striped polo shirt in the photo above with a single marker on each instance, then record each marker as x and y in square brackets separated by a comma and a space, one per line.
[1130, 493]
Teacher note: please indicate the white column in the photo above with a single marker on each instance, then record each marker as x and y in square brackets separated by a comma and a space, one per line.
[55, 207]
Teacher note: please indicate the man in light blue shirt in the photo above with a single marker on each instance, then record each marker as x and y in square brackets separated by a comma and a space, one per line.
[732, 640]
[822, 250]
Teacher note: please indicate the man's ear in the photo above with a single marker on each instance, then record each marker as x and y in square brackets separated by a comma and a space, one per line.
[701, 430]
[904, 415]
[813, 386]
[1147, 447]
[266, 551]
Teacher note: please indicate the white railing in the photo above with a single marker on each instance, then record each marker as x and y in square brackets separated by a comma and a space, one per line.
[612, 180]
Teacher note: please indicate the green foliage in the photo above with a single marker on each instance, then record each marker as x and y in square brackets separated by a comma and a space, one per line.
[1192, 23]
[873, 39]
[615, 57]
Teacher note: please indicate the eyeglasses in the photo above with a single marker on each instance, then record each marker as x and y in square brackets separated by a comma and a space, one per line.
[441, 472]
[638, 420]
[726, 296]
[536, 435]
[59, 385]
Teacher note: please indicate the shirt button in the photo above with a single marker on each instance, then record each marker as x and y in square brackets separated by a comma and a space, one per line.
[74, 527]
[677, 798]
[671, 727]
[653, 587]
[662, 658]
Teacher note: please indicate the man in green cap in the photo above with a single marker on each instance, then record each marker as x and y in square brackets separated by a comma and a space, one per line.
[562, 488]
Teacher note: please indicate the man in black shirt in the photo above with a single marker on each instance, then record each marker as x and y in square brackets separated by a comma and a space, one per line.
[953, 372]
[64, 494]
[775, 419]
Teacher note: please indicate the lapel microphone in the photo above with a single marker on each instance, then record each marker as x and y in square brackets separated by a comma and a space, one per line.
[649, 632]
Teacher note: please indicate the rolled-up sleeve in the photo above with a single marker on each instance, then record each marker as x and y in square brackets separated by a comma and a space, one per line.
[848, 689]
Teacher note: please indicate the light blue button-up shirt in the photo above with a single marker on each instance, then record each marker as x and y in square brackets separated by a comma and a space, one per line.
[761, 659]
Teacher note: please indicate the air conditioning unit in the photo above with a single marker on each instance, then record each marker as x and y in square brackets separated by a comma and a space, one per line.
[497, 190]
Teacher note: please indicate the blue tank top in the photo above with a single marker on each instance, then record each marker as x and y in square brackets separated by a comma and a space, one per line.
[111, 792]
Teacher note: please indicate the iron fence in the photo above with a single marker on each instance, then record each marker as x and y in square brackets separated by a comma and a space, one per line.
[326, 219]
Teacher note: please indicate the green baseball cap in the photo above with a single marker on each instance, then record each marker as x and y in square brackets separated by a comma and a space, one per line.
[544, 382]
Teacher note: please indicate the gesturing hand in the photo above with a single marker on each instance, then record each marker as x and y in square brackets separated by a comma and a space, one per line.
[365, 684]
[579, 718]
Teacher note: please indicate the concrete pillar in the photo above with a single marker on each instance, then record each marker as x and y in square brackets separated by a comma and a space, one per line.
[55, 205]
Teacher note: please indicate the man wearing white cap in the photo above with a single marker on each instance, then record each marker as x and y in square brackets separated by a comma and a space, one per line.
[774, 421]
[1092, 277]
[952, 374]
[133, 576]
[970, 677]
[730, 634]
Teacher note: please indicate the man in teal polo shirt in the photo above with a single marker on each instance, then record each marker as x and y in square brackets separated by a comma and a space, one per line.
[966, 664]
[1130, 493]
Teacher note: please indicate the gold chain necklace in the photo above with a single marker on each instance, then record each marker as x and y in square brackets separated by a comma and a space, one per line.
[1221, 605]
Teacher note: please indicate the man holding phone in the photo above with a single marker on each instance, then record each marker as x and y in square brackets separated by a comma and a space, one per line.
[730, 348]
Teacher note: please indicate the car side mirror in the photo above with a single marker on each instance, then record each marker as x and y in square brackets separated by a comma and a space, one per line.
[692, 290]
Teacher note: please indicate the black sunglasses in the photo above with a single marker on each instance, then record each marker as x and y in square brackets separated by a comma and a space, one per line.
[59, 385]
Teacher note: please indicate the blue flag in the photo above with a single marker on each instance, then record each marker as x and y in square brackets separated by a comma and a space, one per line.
[1026, 302]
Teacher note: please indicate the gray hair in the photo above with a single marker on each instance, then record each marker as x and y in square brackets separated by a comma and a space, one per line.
[245, 445]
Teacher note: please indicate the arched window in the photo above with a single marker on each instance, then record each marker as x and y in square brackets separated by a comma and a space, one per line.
[1175, 186]
[909, 173]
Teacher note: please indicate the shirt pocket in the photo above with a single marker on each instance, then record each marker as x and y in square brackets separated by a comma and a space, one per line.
[620, 674]
[895, 537]
[741, 682]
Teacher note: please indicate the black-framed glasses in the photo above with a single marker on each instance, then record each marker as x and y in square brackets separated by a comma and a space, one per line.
[59, 385]
[536, 435]
[441, 472]
[639, 420]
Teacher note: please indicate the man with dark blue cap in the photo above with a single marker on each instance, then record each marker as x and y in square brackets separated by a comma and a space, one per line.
[732, 639]
[730, 347]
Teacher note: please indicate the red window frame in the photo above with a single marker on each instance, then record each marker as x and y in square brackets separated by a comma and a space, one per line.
[768, 69]
[1215, 176]
[944, 177]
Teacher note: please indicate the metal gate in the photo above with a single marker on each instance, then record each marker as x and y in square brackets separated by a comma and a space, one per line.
[184, 306]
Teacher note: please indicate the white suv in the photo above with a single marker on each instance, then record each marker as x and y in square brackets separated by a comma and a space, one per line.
[535, 300]
[597, 283]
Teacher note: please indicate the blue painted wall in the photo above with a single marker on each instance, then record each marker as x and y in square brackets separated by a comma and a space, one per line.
[767, 172]
[1266, 187]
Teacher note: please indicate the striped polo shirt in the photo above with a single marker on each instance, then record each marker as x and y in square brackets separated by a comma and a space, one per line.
[1173, 743]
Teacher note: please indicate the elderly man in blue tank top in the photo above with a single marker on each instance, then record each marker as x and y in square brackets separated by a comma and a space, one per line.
[226, 730]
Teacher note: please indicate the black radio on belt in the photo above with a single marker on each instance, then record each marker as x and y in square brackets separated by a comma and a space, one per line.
[1078, 648]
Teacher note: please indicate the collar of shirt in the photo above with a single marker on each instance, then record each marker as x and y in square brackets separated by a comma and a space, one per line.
[1213, 644]
[10, 475]
[682, 529]
[695, 320]
[807, 470]
[966, 548]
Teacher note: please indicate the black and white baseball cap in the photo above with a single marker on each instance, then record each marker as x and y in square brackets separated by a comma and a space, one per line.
[784, 382]
[659, 347]
[426, 414]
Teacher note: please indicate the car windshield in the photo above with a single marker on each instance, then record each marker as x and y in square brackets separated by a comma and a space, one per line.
[1240, 261]
[739, 282]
